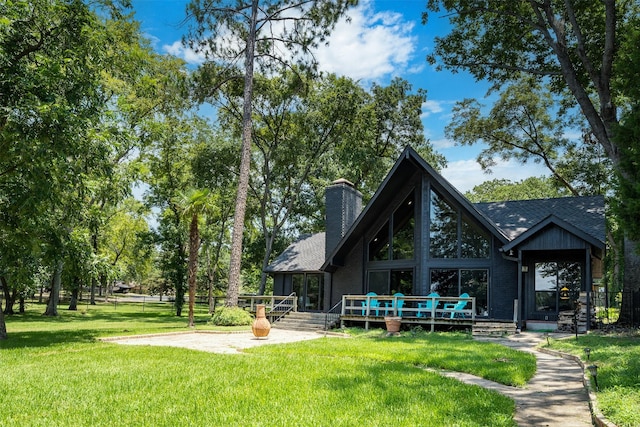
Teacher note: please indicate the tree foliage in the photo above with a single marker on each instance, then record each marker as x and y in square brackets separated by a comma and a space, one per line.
[499, 190]
[269, 34]
[574, 46]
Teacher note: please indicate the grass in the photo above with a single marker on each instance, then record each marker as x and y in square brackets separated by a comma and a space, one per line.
[56, 373]
[618, 361]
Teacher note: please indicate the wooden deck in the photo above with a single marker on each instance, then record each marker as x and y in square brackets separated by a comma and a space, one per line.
[415, 310]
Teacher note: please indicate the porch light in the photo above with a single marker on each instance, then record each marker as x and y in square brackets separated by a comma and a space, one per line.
[587, 351]
[564, 293]
[593, 370]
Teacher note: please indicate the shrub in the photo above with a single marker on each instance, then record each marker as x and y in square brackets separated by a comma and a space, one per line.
[231, 316]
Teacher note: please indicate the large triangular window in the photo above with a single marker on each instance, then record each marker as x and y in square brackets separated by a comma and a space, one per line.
[396, 239]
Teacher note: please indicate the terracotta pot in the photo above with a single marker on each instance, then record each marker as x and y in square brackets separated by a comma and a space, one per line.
[261, 325]
[393, 324]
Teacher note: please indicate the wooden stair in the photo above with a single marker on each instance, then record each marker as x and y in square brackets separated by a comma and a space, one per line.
[493, 329]
[302, 321]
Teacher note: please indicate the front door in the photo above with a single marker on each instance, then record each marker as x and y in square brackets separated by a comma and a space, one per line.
[308, 289]
[556, 285]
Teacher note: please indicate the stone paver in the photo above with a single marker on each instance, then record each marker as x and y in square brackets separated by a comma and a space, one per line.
[555, 396]
[228, 343]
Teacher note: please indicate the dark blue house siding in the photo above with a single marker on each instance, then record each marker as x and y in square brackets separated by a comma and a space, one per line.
[347, 279]
[554, 238]
[503, 286]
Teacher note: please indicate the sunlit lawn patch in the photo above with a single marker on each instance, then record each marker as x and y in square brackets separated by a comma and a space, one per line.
[58, 374]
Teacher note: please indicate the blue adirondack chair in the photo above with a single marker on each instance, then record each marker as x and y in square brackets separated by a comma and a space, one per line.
[424, 308]
[392, 304]
[457, 307]
[373, 303]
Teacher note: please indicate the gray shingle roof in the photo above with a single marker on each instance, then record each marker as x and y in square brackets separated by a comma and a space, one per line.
[516, 217]
[304, 255]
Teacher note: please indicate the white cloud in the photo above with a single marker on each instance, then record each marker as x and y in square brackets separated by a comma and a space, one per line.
[188, 54]
[370, 46]
[431, 107]
[440, 144]
[466, 174]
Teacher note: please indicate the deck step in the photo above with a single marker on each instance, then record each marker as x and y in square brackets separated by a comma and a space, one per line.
[494, 329]
[302, 321]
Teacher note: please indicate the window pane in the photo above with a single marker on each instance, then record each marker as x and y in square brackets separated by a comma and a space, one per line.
[379, 282]
[444, 282]
[403, 229]
[443, 229]
[379, 246]
[546, 286]
[475, 283]
[297, 282]
[402, 281]
[314, 291]
[569, 276]
[474, 244]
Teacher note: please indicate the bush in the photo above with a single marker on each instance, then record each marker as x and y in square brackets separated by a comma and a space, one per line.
[231, 316]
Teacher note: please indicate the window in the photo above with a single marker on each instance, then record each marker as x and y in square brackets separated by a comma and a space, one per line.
[474, 243]
[403, 230]
[389, 282]
[401, 246]
[308, 289]
[475, 283]
[452, 282]
[550, 279]
[443, 233]
[443, 229]
[379, 246]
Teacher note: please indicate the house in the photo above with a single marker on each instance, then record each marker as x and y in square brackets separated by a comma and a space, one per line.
[523, 261]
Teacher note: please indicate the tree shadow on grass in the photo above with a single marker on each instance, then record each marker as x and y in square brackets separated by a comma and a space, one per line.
[41, 339]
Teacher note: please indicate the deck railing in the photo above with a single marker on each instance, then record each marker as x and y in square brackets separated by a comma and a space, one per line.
[274, 304]
[413, 309]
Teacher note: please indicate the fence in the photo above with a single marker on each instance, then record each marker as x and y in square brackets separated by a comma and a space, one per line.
[611, 306]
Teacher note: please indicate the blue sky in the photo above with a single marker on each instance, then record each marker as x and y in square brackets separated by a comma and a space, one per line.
[385, 39]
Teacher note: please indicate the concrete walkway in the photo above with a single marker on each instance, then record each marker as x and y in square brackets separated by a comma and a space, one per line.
[555, 396]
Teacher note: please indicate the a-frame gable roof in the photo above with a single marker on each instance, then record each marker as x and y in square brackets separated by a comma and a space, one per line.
[553, 220]
[405, 167]
[584, 214]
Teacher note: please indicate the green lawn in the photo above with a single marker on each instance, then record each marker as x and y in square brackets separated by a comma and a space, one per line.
[56, 373]
[618, 361]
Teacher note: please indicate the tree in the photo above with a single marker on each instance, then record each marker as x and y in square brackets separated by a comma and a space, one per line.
[386, 120]
[194, 203]
[231, 30]
[297, 126]
[572, 44]
[499, 190]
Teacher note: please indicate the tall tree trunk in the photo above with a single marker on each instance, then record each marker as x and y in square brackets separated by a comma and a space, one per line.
[265, 261]
[8, 304]
[211, 277]
[73, 302]
[194, 246]
[631, 281]
[3, 326]
[54, 296]
[235, 262]
[21, 306]
[92, 298]
[94, 244]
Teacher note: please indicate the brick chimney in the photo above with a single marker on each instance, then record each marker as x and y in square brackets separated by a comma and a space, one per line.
[343, 205]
